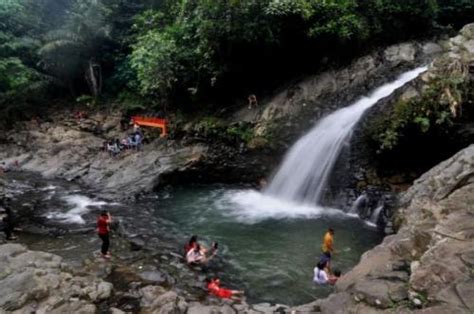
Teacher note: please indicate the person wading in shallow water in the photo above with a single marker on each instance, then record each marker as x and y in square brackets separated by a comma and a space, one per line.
[322, 276]
[103, 229]
[327, 247]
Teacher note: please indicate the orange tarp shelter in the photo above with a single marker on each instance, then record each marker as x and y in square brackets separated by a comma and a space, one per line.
[153, 122]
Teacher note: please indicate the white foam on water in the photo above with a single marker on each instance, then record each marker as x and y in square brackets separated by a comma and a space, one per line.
[49, 188]
[375, 215]
[80, 205]
[251, 206]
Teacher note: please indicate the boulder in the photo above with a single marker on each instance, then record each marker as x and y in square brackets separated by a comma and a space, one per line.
[468, 31]
[399, 54]
[40, 281]
[432, 48]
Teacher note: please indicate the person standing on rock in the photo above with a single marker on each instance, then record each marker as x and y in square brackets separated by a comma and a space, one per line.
[8, 221]
[103, 229]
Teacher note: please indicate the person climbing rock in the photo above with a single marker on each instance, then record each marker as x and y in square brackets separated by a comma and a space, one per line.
[103, 230]
[214, 288]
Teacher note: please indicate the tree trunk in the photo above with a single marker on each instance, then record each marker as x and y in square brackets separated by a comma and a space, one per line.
[94, 78]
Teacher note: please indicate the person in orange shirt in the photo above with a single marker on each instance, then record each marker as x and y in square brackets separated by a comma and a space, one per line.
[327, 247]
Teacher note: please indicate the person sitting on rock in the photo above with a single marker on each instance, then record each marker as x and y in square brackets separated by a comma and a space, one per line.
[118, 144]
[110, 148]
[214, 288]
[322, 275]
[124, 143]
[199, 256]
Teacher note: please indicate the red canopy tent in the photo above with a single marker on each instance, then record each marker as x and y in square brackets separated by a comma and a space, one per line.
[152, 122]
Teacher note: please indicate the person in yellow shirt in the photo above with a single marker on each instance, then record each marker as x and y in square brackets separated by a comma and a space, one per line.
[327, 247]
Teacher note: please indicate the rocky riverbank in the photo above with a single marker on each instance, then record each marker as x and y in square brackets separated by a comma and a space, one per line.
[427, 266]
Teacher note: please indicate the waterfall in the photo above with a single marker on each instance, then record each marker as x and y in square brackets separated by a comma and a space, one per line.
[360, 203]
[307, 166]
[374, 218]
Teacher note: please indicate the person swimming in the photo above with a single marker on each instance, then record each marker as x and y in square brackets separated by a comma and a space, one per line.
[214, 288]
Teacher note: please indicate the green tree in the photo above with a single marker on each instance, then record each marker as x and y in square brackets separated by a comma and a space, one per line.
[76, 50]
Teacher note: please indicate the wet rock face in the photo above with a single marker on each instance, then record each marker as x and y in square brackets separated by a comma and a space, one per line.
[366, 168]
[429, 261]
[293, 111]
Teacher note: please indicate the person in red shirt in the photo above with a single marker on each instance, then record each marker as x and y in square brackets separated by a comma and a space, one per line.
[103, 229]
[214, 288]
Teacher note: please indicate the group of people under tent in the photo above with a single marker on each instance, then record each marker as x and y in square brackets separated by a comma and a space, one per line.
[132, 141]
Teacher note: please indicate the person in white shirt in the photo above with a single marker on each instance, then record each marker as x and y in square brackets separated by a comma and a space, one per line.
[197, 255]
[322, 275]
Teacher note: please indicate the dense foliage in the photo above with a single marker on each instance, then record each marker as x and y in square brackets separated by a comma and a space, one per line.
[417, 132]
[182, 52]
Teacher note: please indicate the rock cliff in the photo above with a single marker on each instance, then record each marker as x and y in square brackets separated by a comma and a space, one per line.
[38, 282]
[427, 266]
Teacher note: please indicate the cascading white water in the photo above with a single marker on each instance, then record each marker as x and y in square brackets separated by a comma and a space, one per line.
[360, 203]
[307, 166]
[375, 215]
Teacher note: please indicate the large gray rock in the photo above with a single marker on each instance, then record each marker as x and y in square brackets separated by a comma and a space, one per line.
[429, 261]
[398, 54]
[468, 31]
[65, 152]
[38, 281]
[155, 299]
